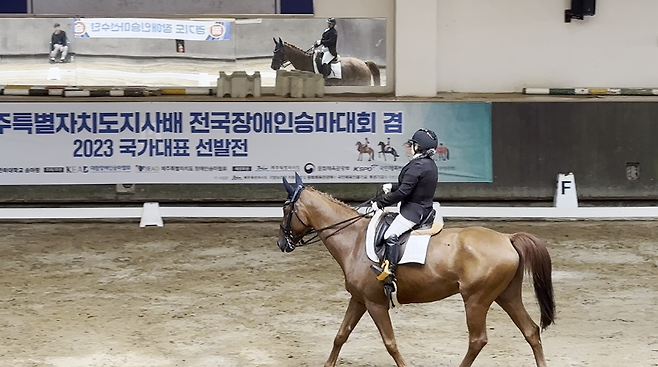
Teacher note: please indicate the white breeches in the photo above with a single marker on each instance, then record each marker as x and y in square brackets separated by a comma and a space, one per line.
[57, 48]
[399, 226]
[327, 57]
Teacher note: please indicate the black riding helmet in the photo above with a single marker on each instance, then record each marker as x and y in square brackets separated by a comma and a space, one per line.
[425, 139]
[332, 21]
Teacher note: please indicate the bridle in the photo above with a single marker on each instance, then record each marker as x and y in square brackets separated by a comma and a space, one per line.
[283, 63]
[297, 240]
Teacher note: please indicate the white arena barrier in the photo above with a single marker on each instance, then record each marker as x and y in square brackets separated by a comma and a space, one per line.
[565, 207]
[239, 84]
[298, 84]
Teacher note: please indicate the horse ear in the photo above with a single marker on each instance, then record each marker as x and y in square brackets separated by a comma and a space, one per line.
[280, 42]
[288, 187]
[298, 180]
[274, 39]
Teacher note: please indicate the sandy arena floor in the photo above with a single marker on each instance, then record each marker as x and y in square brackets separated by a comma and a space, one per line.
[222, 294]
[124, 72]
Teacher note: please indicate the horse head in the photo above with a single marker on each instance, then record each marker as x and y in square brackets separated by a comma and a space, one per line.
[293, 226]
[279, 55]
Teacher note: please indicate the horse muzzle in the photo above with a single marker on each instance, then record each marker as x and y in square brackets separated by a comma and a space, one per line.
[284, 244]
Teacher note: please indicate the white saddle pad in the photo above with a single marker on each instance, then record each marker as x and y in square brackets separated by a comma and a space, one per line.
[416, 249]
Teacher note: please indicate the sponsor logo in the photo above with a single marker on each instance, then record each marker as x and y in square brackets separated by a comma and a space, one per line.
[390, 168]
[309, 168]
[217, 30]
[19, 169]
[365, 168]
[241, 169]
[333, 168]
[53, 169]
[147, 169]
[77, 169]
[79, 28]
[277, 168]
[210, 168]
[107, 169]
[248, 178]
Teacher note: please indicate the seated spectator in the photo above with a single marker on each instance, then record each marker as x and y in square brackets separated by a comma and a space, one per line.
[58, 43]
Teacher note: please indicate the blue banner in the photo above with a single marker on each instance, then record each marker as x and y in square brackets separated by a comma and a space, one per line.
[236, 142]
[191, 30]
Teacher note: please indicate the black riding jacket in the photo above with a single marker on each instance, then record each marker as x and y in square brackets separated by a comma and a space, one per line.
[59, 38]
[415, 189]
[329, 39]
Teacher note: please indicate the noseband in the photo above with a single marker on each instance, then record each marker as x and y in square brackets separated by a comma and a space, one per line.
[290, 237]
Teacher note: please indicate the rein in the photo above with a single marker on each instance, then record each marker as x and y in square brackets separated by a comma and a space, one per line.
[316, 232]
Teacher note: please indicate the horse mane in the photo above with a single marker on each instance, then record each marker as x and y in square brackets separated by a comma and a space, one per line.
[295, 48]
[331, 199]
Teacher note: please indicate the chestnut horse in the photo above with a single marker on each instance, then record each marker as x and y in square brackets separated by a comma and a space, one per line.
[354, 72]
[482, 265]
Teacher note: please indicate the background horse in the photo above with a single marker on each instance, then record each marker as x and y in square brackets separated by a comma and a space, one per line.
[354, 71]
[387, 150]
[364, 149]
[482, 265]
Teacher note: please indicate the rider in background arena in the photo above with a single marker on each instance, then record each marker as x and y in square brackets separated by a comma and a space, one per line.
[328, 40]
[415, 191]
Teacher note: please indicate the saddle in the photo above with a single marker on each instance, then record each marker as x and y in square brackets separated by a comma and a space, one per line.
[318, 59]
[425, 227]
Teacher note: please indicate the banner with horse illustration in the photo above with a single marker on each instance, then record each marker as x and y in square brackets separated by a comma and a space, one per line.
[236, 142]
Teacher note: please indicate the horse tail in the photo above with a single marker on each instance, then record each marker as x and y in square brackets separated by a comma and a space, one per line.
[537, 260]
[374, 69]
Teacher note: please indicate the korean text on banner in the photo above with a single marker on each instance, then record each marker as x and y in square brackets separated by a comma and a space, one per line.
[191, 30]
[236, 142]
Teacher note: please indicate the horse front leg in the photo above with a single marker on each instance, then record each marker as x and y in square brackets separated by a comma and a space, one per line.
[379, 314]
[355, 311]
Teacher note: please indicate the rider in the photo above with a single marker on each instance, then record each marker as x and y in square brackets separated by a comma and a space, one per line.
[415, 190]
[329, 40]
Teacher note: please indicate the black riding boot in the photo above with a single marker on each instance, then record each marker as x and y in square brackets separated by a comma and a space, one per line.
[326, 70]
[391, 255]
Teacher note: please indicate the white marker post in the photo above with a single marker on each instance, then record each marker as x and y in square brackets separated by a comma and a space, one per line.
[565, 193]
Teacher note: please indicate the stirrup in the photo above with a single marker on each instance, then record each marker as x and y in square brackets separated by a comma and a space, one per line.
[382, 272]
[391, 292]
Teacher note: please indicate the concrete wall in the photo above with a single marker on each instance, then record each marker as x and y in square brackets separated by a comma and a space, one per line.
[362, 38]
[415, 48]
[146, 7]
[506, 45]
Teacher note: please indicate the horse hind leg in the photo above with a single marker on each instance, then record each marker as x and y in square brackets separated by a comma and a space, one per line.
[353, 314]
[476, 320]
[511, 301]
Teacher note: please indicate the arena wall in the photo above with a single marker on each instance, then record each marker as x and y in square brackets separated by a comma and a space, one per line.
[506, 45]
[145, 7]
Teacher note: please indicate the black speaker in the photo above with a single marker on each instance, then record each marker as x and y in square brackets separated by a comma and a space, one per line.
[580, 9]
